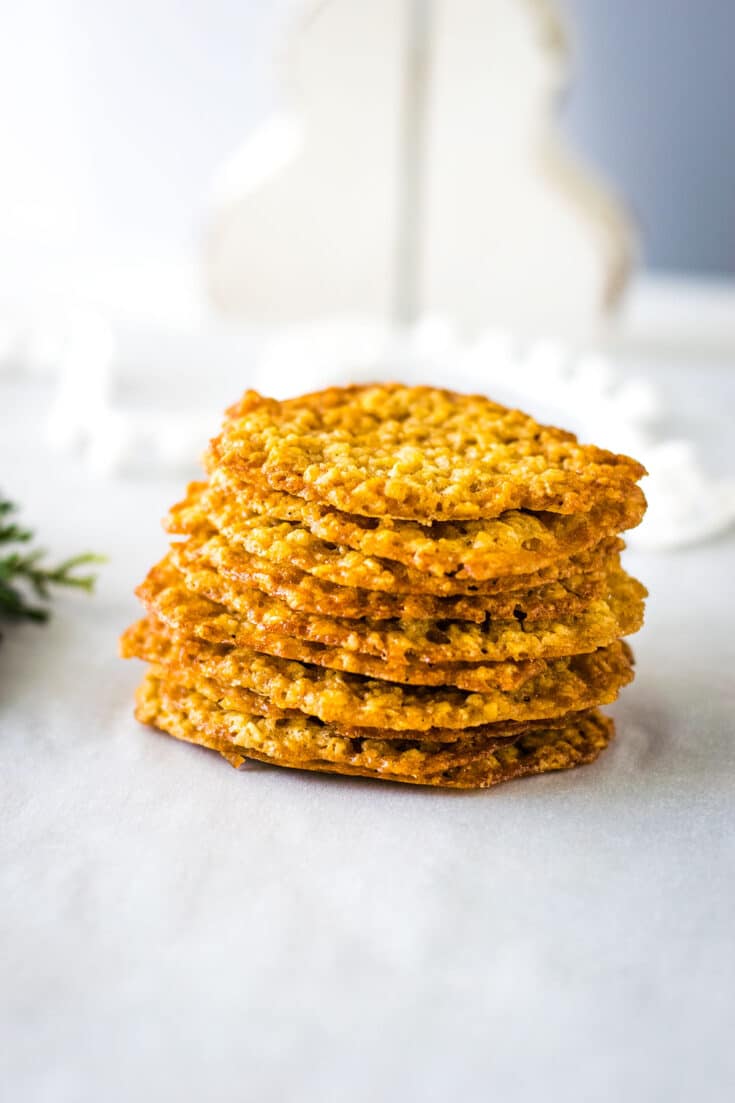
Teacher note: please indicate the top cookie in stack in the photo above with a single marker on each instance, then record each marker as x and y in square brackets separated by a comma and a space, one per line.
[398, 582]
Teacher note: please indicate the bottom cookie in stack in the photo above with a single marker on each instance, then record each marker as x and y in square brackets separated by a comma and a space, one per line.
[305, 744]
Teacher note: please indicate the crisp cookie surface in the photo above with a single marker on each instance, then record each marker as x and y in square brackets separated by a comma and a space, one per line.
[169, 659]
[418, 453]
[304, 737]
[303, 592]
[290, 544]
[190, 717]
[516, 542]
[619, 613]
[164, 594]
[561, 686]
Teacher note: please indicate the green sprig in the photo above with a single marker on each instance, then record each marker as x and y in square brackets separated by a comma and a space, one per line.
[22, 572]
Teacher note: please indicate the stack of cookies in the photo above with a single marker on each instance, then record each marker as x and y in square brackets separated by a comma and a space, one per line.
[394, 582]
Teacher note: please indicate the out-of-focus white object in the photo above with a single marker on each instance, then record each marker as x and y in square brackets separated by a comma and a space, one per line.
[685, 504]
[417, 172]
[127, 398]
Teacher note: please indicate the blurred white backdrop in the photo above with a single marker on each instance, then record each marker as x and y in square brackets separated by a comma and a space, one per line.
[115, 116]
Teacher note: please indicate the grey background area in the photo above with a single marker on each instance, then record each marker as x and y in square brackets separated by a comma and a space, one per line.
[653, 106]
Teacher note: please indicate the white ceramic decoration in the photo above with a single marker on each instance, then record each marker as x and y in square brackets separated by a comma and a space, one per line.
[416, 171]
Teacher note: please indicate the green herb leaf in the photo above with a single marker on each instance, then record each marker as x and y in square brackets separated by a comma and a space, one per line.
[25, 572]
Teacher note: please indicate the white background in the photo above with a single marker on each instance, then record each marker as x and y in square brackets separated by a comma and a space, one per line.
[114, 117]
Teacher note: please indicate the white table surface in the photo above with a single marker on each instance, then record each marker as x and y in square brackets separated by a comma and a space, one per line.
[172, 929]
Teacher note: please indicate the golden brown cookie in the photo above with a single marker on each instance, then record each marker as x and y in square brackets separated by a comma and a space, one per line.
[305, 593]
[164, 594]
[189, 716]
[418, 453]
[560, 686]
[619, 613]
[299, 737]
[243, 700]
[283, 543]
[169, 659]
[516, 542]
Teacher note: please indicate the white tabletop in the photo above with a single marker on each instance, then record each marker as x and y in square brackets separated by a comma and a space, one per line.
[171, 928]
